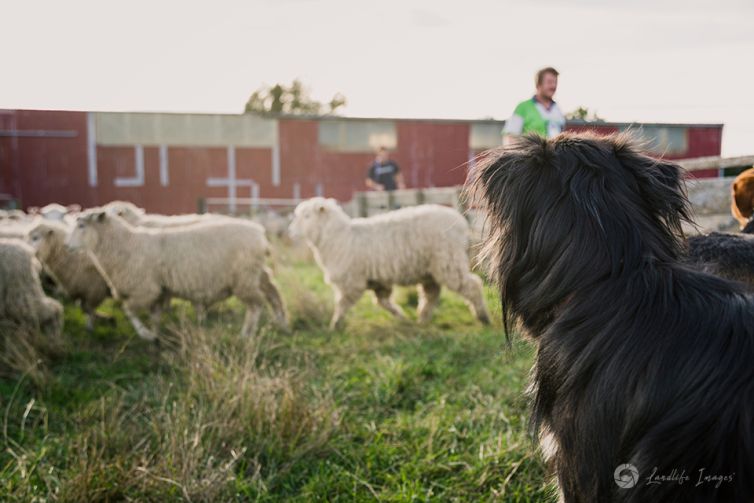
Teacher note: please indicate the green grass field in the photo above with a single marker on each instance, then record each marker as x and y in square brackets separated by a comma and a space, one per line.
[382, 410]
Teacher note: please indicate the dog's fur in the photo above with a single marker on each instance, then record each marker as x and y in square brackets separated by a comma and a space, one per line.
[742, 196]
[640, 358]
[728, 255]
[749, 227]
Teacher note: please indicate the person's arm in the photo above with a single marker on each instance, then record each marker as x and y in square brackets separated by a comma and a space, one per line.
[373, 185]
[399, 181]
[371, 182]
[513, 126]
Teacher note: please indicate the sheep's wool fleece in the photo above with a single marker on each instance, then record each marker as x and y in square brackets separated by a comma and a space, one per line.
[400, 247]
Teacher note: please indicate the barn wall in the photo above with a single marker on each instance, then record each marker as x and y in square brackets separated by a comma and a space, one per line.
[167, 162]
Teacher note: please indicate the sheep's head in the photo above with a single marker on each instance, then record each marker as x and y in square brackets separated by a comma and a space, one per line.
[85, 233]
[125, 210]
[43, 238]
[53, 211]
[312, 216]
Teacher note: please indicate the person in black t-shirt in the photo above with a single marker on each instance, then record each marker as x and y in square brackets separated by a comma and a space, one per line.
[384, 174]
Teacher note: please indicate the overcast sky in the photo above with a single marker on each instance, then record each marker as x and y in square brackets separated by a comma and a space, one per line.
[639, 60]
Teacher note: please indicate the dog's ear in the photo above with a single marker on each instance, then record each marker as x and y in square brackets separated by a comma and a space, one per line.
[497, 172]
[661, 183]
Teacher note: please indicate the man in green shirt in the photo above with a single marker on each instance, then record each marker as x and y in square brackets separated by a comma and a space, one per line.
[540, 114]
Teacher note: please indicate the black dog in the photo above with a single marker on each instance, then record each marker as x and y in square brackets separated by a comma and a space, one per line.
[644, 373]
[728, 255]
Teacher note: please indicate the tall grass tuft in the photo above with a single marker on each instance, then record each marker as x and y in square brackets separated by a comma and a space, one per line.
[218, 414]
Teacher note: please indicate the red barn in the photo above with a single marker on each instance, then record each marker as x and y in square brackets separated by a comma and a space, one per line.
[168, 162]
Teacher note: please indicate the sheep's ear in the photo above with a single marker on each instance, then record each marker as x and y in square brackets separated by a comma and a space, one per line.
[100, 217]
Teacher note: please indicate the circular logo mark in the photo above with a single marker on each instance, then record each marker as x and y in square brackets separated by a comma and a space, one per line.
[626, 476]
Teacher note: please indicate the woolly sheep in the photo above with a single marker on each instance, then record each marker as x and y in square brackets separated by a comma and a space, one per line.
[58, 212]
[137, 216]
[72, 270]
[17, 228]
[274, 223]
[425, 245]
[15, 215]
[22, 300]
[202, 263]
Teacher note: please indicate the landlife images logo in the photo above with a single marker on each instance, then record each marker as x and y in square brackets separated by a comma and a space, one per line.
[626, 476]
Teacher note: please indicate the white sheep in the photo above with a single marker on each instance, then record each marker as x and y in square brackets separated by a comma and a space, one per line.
[58, 212]
[202, 263]
[72, 270]
[18, 228]
[137, 216]
[15, 215]
[22, 300]
[425, 245]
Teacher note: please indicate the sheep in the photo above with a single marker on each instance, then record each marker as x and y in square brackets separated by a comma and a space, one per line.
[58, 212]
[137, 216]
[15, 215]
[22, 300]
[274, 223]
[17, 228]
[73, 271]
[425, 245]
[202, 263]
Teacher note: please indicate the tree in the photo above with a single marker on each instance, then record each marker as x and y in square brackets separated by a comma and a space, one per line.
[583, 114]
[293, 99]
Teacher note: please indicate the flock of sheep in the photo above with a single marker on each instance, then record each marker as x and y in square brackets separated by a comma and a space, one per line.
[144, 260]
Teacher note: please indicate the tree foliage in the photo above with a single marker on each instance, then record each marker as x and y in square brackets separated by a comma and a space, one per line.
[290, 99]
[583, 114]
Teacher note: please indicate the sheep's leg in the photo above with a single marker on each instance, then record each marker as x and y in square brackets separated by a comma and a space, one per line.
[201, 314]
[343, 303]
[429, 296]
[274, 299]
[155, 315]
[471, 289]
[90, 316]
[251, 319]
[141, 330]
[382, 294]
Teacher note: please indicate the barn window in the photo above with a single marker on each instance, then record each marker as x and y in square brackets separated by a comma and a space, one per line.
[357, 135]
[484, 135]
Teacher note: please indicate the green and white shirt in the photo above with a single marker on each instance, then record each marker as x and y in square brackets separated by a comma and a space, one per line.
[531, 116]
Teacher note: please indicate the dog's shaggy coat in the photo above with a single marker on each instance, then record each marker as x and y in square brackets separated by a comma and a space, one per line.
[640, 359]
[728, 255]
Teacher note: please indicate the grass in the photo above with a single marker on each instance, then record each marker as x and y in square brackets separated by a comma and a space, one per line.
[381, 410]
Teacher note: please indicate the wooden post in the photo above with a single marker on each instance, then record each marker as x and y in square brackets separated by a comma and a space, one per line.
[420, 197]
[390, 200]
[363, 206]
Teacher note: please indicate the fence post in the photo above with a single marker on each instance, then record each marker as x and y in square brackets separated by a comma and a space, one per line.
[390, 200]
[201, 205]
[420, 197]
[362, 204]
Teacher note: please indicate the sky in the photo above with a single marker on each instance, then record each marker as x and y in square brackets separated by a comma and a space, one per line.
[641, 60]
